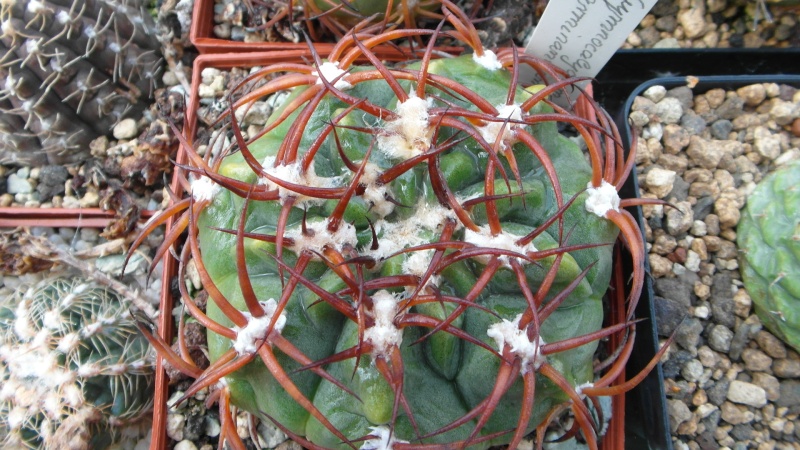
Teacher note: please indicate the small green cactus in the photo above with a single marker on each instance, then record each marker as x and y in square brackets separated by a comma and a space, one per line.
[72, 366]
[769, 237]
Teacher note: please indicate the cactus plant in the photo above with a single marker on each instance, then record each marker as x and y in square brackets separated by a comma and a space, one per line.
[71, 70]
[408, 256]
[769, 238]
[72, 364]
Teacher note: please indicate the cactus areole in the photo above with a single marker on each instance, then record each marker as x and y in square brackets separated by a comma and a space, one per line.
[411, 255]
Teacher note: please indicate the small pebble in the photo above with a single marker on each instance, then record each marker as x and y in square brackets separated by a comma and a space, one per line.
[125, 129]
[747, 394]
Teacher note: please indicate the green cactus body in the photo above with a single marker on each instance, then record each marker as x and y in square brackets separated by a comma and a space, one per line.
[769, 237]
[73, 366]
[445, 376]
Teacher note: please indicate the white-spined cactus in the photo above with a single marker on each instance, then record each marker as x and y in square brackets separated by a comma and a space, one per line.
[73, 366]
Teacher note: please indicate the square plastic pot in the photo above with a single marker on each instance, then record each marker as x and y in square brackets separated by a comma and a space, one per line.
[624, 431]
[646, 408]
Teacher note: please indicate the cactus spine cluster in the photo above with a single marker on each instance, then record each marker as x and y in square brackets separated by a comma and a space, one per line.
[408, 256]
[340, 16]
[72, 366]
[769, 237]
[70, 71]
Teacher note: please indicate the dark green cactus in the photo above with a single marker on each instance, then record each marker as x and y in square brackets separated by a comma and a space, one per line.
[72, 364]
[769, 238]
[71, 70]
[408, 256]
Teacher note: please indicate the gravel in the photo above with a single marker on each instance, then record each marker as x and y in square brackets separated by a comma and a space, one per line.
[730, 383]
[716, 24]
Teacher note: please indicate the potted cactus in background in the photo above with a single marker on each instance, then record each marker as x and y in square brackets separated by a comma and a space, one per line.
[74, 369]
[72, 71]
[408, 256]
[769, 236]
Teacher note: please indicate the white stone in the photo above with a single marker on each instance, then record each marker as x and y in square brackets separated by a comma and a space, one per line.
[185, 445]
[655, 93]
[702, 312]
[17, 185]
[175, 424]
[692, 261]
[660, 181]
[208, 74]
[669, 110]
[269, 435]
[125, 129]
[747, 394]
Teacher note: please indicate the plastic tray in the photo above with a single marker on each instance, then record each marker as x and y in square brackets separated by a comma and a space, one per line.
[647, 419]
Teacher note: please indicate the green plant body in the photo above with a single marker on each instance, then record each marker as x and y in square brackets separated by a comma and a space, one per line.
[452, 376]
[409, 255]
[769, 237]
[73, 366]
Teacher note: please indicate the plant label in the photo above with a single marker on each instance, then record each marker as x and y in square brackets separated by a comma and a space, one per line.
[580, 36]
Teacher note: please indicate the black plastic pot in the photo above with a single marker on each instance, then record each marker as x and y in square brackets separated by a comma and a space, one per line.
[627, 69]
[647, 422]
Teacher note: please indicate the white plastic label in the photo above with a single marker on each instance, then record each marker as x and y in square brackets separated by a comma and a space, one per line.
[580, 36]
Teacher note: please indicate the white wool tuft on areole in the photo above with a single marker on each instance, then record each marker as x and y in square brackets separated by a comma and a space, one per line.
[410, 133]
[602, 199]
[36, 7]
[488, 60]
[293, 173]
[395, 236]
[579, 388]
[203, 188]
[502, 241]
[330, 71]
[418, 263]
[375, 193]
[384, 439]
[319, 237]
[383, 335]
[509, 334]
[256, 328]
[491, 131]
